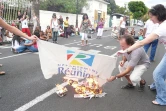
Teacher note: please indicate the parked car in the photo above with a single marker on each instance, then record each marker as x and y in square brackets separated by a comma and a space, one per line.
[140, 23]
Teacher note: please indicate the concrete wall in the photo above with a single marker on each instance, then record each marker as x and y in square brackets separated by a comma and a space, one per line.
[45, 18]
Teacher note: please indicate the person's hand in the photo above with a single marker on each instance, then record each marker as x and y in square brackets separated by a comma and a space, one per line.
[121, 63]
[33, 37]
[121, 52]
[112, 78]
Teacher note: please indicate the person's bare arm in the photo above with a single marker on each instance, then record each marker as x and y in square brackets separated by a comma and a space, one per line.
[124, 58]
[120, 23]
[145, 29]
[127, 71]
[14, 30]
[138, 44]
[51, 24]
[89, 23]
[29, 44]
[81, 24]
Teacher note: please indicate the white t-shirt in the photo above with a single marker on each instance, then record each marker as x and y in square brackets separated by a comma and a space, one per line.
[54, 23]
[15, 45]
[161, 32]
[123, 24]
[150, 27]
[25, 23]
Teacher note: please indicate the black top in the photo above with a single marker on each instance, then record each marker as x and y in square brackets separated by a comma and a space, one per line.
[61, 20]
[19, 18]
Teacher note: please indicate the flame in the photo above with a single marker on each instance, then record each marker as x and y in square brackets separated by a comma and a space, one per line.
[88, 86]
[61, 89]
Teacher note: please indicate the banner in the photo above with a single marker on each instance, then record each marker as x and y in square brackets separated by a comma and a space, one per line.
[58, 59]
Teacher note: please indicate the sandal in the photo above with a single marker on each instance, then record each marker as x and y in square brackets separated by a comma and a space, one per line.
[2, 73]
[155, 102]
[128, 86]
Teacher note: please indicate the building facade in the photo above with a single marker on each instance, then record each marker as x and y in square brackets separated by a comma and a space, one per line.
[96, 9]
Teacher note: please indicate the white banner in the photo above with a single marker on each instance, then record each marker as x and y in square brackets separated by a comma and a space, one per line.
[58, 59]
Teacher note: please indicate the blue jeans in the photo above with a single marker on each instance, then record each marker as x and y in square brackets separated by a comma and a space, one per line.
[153, 49]
[32, 48]
[54, 35]
[23, 48]
[159, 76]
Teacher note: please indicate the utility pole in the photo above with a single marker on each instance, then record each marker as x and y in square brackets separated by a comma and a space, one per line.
[77, 13]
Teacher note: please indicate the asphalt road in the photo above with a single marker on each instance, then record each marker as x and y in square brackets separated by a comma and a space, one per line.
[24, 82]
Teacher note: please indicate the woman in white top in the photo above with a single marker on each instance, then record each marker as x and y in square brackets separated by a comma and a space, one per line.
[158, 15]
[122, 26]
[35, 21]
[55, 28]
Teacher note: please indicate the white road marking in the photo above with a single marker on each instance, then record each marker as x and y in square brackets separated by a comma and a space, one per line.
[75, 48]
[110, 47]
[94, 51]
[5, 47]
[41, 97]
[97, 45]
[89, 40]
[15, 55]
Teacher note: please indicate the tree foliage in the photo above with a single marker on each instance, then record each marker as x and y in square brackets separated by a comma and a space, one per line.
[67, 6]
[137, 8]
[122, 10]
[111, 8]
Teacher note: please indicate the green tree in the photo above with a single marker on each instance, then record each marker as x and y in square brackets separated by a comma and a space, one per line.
[137, 8]
[67, 6]
[122, 10]
[111, 8]
[35, 6]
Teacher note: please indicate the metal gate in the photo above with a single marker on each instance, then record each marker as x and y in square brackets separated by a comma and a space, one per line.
[10, 9]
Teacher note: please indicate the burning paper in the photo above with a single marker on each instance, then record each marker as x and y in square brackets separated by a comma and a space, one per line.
[61, 90]
[87, 88]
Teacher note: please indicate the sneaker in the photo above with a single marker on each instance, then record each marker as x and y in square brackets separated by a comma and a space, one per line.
[128, 86]
[151, 88]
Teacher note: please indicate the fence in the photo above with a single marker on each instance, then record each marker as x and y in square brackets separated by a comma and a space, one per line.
[10, 9]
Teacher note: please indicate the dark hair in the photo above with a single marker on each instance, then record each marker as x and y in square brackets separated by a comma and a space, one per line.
[159, 11]
[54, 15]
[17, 38]
[48, 26]
[67, 17]
[83, 18]
[128, 38]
